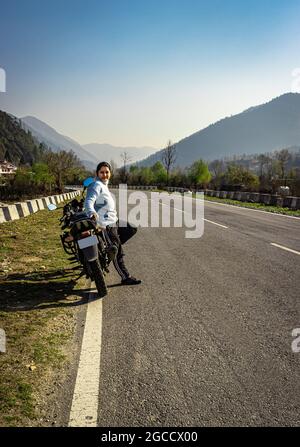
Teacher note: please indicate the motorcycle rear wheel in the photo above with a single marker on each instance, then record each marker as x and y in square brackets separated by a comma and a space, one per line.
[98, 277]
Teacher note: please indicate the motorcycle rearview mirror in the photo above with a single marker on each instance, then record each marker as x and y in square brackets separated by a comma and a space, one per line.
[51, 207]
[88, 181]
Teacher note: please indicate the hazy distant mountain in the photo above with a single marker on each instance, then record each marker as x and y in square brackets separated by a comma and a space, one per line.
[264, 128]
[89, 154]
[108, 152]
[56, 141]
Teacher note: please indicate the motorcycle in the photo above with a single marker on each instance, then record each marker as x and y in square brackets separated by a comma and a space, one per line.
[83, 239]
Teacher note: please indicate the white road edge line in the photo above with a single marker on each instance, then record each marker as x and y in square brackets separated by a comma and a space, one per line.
[246, 208]
[285, 248]
[84, 409]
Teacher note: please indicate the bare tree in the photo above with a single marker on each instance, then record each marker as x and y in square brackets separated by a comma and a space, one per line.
[283, 157]
[217, 167]
[263, 160]
[169, 157]
[126, 158]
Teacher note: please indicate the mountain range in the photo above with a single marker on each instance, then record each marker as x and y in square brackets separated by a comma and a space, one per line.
[264, 128]
[109, 152]
[89, 154]
[56, 141]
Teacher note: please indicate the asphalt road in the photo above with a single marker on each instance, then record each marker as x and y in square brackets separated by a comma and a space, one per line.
[206, 339]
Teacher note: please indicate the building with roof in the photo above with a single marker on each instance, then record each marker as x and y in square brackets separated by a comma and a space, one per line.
[7, 168]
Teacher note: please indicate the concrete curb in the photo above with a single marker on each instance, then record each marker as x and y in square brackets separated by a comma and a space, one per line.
[243, 196]
[23, 209]
[267, 199]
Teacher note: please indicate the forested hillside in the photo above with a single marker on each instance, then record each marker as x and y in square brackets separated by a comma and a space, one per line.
[16, 145]
[265, 128]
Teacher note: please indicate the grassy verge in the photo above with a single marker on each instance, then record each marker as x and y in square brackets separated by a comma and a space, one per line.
[37, 311]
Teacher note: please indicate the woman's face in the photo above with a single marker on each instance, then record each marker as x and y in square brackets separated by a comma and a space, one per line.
[104, 173]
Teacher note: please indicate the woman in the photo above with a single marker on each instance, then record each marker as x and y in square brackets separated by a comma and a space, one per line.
[100, 204]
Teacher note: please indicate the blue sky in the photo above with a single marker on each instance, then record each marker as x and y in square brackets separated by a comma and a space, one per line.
[142, 72]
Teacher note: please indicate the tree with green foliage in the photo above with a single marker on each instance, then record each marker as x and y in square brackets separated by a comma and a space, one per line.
[134, 175]
[22, 182]
[238, 176]
[159, 173]
[146, 176]
[42, 177]
[64, 166]
[199, 174]
[179, 177]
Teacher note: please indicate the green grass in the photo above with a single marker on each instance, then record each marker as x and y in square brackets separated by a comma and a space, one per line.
[38, 298]
[47, 350]
[17, 395]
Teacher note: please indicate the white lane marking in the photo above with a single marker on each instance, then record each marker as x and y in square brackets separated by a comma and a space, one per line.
[215, 223]
[175, 208]
[285, 248]
[84, 410]
[246, 208]
[210, 221]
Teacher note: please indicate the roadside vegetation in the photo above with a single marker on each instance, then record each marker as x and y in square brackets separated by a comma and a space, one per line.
[40, 171]
[270, 173]
[38, 301]
[43, 178]
[264, 173]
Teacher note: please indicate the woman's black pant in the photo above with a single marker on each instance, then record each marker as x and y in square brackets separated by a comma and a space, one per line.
[118, 235]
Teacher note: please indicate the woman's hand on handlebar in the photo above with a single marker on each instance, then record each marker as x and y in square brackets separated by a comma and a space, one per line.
[94, 216]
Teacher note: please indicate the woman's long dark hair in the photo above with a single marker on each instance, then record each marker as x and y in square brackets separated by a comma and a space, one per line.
[103, 163]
